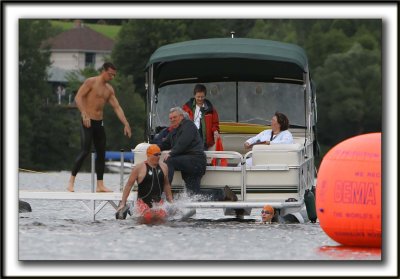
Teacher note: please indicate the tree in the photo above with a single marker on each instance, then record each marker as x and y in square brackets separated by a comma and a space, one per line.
[75, 78]
[139, 38]
[34, 90]
[56, 138]
[349, 94]
[274, 29]
[134, 109]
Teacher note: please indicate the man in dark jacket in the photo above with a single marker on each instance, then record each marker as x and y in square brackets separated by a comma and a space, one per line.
[187, 152]
[187, 155]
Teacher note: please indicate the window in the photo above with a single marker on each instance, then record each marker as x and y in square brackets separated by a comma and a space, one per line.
[90, 59]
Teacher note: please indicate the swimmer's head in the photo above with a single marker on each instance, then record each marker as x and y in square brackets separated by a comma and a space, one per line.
[267, 213]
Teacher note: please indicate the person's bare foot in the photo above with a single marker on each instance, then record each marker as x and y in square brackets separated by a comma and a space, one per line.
[103, 189]
[71, 182]
[70, 188]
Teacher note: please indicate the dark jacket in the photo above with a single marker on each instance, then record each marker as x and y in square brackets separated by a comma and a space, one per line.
[161, 136]
[184, 140]
[210, 120]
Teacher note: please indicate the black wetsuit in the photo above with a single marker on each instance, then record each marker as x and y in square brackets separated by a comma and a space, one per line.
[151, 187]
[96, 134]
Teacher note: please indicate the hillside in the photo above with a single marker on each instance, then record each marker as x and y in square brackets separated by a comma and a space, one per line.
[110, 31]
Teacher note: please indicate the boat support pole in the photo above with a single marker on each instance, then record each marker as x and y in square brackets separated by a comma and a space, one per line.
[92, 202]
[121, 171]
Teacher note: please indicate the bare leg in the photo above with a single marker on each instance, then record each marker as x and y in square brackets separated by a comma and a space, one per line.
[101, 188]
[71, 183]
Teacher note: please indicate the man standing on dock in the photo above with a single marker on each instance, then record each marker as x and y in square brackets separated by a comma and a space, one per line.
[93, 94]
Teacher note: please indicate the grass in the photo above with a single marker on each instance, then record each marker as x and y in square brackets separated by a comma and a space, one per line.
[110, 31]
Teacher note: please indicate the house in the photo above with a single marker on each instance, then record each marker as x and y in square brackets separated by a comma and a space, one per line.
[76, 49]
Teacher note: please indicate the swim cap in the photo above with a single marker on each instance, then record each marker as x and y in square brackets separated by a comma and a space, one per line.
[153, 149]
[269, 208]
[267, 213]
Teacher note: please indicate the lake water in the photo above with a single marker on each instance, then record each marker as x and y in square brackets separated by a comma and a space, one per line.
[63, 230]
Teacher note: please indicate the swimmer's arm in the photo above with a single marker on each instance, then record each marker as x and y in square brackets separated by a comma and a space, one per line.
[83, 92]
[167, 186]
[128, 186]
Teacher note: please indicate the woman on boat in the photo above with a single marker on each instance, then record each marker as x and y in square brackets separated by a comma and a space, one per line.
[204, 115]
[278, 134]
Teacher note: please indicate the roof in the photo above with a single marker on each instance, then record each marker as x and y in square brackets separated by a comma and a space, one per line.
[81, 39]
[228, 59]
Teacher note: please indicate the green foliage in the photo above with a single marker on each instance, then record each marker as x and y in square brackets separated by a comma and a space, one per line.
[61, 24]
[110, 31]
[75, 78]
[139, 38]
[275, 29]
[349, 94]
[56, 138]
[34, 91]
[134, 110]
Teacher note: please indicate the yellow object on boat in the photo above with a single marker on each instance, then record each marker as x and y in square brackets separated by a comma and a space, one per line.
[241, 128]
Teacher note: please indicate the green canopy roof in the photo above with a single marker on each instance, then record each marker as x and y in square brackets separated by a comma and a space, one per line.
[228, 59]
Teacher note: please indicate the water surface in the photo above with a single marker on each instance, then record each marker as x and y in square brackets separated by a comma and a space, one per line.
[63, 230]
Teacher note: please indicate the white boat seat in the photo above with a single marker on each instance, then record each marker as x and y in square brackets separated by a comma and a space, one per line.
[299, 140]
[288, 154]
[235, 142]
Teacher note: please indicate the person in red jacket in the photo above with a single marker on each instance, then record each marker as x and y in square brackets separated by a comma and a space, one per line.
[204, 115]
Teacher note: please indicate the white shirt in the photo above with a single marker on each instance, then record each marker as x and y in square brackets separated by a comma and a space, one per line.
[282, 137]
[197, 117]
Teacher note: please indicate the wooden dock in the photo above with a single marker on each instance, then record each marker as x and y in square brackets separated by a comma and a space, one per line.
[106, 197]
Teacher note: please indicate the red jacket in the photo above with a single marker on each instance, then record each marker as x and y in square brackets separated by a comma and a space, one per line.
[209, 116]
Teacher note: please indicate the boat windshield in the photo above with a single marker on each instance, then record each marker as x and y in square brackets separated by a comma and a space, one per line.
[242, 102]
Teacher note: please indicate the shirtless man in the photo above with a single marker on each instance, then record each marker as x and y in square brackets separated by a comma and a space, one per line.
[152, 178]
[94, 93]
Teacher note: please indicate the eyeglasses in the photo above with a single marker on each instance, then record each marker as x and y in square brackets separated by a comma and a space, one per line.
[157, 154]
[266, 212]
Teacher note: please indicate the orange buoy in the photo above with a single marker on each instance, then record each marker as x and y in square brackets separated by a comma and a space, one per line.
[348, 192]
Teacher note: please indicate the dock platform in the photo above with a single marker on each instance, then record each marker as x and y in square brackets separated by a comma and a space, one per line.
[106, 197]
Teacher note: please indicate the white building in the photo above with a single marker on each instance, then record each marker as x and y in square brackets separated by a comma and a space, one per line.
[76, 49]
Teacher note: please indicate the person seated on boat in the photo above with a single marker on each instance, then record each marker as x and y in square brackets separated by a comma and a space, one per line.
[187, 155]
[162, 135]
[278, 134]
[152, 180]
[204, 115]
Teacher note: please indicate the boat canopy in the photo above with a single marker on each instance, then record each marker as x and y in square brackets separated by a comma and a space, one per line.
[228, 59]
